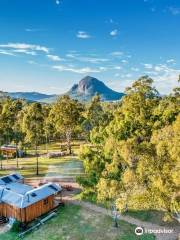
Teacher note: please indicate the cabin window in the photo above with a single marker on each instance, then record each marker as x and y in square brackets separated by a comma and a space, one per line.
[45, 201]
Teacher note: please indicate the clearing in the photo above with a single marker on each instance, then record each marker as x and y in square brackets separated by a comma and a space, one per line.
[77, 223]
[79, 220]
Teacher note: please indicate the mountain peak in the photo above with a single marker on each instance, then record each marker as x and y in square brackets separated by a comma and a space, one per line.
[89, 79]
[90, 86]
[83, 91]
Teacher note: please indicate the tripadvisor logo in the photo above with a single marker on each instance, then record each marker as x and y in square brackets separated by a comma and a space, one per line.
[139, 231]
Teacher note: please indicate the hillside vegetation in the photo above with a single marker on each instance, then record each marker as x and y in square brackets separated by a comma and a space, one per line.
[76, 223]
[134, 156]
[132, 153]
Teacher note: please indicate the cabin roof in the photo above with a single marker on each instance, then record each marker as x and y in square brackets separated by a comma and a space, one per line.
[14, 177]
[21, 195]
[8, 147]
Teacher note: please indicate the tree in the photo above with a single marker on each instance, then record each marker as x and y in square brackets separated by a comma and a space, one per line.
[165, 179]
[67, 117]
[33, 127]
[9, 122]
[139, 152]
[49, 128]
[95, 112]
[18, 135]
[7, 119]
[97, 117]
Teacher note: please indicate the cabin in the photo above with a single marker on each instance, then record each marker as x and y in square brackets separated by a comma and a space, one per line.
[23, 202]
[10, 151]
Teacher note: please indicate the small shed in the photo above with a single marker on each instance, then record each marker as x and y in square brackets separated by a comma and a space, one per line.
[10, 151]
[23, 202]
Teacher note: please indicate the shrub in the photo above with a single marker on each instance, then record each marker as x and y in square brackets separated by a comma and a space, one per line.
[16, 226]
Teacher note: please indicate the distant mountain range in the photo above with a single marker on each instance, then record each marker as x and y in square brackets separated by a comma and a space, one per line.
[30, 96]
[83, 91]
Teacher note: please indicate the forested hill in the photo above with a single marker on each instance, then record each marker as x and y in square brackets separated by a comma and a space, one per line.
[30, 96]
[90, 86]
[85, 90]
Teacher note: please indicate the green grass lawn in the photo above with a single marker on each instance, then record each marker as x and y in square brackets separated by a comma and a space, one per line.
[27, 165]
[76, 223]
[153, 216]
[56, 146]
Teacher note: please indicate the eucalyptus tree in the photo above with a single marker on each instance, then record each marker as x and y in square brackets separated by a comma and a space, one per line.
[67, 116]
[7, 119]
[97, 117]
[18, 135]
[33, 127]
[138, 152]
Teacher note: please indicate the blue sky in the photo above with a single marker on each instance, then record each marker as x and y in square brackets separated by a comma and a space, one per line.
[48, 45]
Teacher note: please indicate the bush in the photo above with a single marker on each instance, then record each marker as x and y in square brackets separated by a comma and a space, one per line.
[16, 226]
[167, 217]
[88, 195]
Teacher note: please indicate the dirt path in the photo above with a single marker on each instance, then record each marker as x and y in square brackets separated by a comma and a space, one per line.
[56, 176]
[3, 228]
[68, 197]
[173, 235]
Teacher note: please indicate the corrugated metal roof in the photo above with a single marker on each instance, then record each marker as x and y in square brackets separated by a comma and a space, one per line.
[14, 177]
[22, 195]
[19, 188]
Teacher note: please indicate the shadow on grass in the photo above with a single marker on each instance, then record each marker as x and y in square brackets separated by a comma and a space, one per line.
[153, 216]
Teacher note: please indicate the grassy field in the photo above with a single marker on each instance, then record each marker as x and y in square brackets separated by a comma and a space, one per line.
[27, 165]
[153, 216]
[76, 223]
[73, 223]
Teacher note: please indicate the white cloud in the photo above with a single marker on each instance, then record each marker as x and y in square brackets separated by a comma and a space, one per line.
[135, 69]
[117, 67]
[153, 9]
[159, 68]
[80, 58]
[72, 55]
[114, 33]
[32, 62]
[33, 30]
[102, 69]
[116, 74]
[54, 58]
[4, 52]
[171, 61]
[29, 30]
[57, 2]
[94, 60]
[124, 61]
[174, 10]
[165, 77]
[83, 35]
[83, 70]
[128, 75]
[33, 53]
[111, 20]
[117, 54]
[25, 46]
[148, 65]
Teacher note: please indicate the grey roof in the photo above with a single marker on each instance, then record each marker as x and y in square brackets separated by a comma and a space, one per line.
[22, 195]
[14, 177]
[8, 147]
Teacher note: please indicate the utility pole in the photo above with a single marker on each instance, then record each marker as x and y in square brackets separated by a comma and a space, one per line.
[115, 216]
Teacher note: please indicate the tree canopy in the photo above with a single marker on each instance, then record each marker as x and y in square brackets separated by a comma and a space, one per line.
[136, 160]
